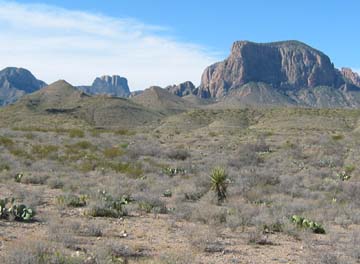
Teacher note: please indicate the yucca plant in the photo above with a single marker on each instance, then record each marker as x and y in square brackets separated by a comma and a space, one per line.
[219, 183]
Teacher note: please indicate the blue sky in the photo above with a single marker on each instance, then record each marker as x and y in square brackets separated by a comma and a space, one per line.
[165, 42]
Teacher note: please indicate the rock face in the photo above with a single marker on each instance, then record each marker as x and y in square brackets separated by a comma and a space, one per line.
[110, 85]
[350, 76]
[287, 65]
[16, 82]
[182, 89]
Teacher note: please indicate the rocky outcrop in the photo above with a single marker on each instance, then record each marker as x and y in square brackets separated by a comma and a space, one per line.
[16, 82]
[182, 89]
[109, 85]
[285, 66]
[350, 76]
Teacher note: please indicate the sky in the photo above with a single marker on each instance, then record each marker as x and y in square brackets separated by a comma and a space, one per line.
[163, 42]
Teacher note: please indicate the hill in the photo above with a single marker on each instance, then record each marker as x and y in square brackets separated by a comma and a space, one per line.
[61, 104]
[162, 100]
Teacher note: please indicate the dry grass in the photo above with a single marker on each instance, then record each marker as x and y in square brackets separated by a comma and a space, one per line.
[279, 163]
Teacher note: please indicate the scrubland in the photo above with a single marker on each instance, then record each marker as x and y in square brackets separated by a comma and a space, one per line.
[286, 191]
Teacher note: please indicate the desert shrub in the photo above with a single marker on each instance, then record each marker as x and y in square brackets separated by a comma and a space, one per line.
[21, 153]
[106, 205]
[55, 183]
[43, 151]
[29, 136]
[178, 154]
[208, 213]
[136, 151]
[337, 137]
[258, 237]
[246, 156]
[204, 239]
[39, 253]
[117, 253]
[4, 167]
[93, 230]
[6, 142]
[133, 170]
[151, 204]
[124, 132]
[177, 257]
[76, 133]
[62, 231]
[71, 200]
[34, 179]
[113, 152]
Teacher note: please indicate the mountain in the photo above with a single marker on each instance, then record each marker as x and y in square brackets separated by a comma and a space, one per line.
[280, 73]
[110, 85]
[16, 82]
[63, 104]
[160, 99]
[350, 76]
[182, 89]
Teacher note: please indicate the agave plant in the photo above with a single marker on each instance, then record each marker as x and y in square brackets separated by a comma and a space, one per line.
[219, 183]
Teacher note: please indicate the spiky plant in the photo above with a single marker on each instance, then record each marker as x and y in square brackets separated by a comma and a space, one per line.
[219, 182]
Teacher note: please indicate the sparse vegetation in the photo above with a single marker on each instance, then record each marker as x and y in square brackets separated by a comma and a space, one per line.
[162, 186]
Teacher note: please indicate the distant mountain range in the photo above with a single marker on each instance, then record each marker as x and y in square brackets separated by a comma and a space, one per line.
[110, 85]
[287, 73]
[15, 83]
[280, 73]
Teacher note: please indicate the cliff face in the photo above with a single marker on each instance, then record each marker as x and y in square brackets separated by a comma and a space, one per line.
[182, 89]
[350, 76]
[15, 82]
[110, 85]
[288, 65]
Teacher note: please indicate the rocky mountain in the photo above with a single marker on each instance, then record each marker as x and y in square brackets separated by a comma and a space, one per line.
[16, 82]
[280, 73]
[109, 85]
[182, 89]
[350, 76]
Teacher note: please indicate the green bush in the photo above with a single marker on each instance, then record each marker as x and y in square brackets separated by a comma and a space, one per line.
[76, 133]
[133, 170]
[113, 152]
[109, 206]
[6, 142]
[71, 200]
[4, 167]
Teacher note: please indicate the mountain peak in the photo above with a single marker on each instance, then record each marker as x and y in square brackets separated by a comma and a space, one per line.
[182, 89]
[114, 85]
[285, 65]
[15, 82]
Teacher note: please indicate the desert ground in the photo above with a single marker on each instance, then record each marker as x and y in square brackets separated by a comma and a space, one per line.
[145, 193]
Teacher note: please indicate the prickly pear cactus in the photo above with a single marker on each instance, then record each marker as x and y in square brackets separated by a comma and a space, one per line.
[302, 222]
